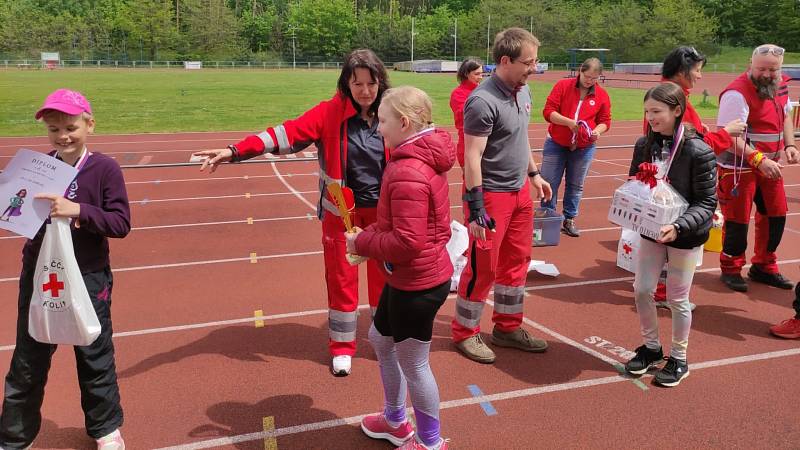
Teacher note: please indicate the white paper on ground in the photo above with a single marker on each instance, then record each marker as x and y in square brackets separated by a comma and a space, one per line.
[543, 268]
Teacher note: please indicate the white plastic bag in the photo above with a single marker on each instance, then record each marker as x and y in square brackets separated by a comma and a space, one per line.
[61, 310]
[459, 241]
[628, 250]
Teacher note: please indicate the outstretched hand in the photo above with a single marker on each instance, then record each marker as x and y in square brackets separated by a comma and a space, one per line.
[213, 158]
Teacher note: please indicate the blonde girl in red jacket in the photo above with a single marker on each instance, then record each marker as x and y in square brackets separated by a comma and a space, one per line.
[408, 240]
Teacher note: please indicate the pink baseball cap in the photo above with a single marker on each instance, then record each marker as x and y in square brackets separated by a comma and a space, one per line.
[66, 101]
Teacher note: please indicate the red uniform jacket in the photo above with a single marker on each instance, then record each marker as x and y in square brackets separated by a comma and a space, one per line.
[324, 125]
[564, 99]
[457, 99]
[413, 223]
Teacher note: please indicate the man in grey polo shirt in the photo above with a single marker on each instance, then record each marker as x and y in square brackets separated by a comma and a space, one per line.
[497, 165]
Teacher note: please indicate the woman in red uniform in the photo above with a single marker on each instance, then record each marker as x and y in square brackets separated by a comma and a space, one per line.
[469, 76]
[351, 152]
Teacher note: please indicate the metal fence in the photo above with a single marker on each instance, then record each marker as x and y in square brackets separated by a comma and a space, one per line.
[263, 65]
[106, 64]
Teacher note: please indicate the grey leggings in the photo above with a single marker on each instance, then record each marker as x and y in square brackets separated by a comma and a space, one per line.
[680, 272]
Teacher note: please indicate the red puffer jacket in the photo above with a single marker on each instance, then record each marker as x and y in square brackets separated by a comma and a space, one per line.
[413, 223]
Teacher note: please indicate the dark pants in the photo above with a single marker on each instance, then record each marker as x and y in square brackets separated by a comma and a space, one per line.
[409, 314]
[796, 303]
[21, 416]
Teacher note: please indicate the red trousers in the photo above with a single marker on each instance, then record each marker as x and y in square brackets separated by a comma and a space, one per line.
[769, 197]
[501, 261]
[342, 281]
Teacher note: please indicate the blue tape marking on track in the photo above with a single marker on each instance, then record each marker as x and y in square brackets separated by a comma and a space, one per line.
[487, 407]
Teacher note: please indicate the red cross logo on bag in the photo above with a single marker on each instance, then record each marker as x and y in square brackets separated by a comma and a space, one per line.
[53, 285]
[627, 248]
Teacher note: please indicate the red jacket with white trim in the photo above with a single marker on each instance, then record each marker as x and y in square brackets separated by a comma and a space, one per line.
[564, 99]
[324, 125]
[413, 224]
[457, 99]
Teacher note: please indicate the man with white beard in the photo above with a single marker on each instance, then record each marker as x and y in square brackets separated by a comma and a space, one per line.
[750, 171]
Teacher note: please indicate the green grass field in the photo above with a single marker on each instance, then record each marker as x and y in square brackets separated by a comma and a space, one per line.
[740, 56]
[141, 101]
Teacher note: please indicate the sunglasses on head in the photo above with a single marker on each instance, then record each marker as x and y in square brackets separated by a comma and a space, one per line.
[774, 49]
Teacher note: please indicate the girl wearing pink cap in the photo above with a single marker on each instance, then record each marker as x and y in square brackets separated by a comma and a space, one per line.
[97, 203]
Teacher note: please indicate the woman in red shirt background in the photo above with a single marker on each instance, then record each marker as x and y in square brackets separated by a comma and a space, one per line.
[469, 76]
[578, 111]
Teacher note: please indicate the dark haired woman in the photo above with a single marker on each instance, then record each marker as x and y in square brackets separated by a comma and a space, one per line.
[469, 77]
[690, 168]
[578, 111]
[351, 152]
[683, 66]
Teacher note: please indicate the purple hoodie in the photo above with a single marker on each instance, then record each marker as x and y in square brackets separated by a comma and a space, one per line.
[100, 190]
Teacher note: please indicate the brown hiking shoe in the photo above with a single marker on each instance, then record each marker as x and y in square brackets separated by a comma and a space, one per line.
[475, 349]
[519, 339]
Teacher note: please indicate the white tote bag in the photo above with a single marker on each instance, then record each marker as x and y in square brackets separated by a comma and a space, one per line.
[61, 310]
[459, 241]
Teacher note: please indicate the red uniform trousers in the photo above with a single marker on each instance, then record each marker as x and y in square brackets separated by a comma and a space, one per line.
[770, 199]
[342, 281]
[501, 261]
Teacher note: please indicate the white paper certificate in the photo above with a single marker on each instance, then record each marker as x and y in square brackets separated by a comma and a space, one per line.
[27, 174]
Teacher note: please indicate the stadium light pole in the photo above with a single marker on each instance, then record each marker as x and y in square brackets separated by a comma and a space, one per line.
[488, 24]
[294, 52]
[412, 44]
[455, 40]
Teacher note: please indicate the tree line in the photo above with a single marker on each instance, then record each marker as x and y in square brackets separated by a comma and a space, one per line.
[324, 30]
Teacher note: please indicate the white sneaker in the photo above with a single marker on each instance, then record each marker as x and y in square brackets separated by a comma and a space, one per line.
[340, 365]
[112, 441]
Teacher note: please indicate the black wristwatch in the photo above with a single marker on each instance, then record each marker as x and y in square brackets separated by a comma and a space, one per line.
[234, 153]
[677, 228]
[533, 173]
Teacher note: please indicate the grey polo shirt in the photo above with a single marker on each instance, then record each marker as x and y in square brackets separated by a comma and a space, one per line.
[502, 114]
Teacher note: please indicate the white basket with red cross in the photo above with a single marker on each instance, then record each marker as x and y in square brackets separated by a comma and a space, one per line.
[642, 213]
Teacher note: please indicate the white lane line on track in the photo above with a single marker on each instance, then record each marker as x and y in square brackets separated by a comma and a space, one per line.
[290, 188]
[618, 125]
[325, 311]
[307, 217]
[630, 278]
[218, 323]
[217, 197]
[468, 401]
[242, 177]
[199, 263]
[201, 224]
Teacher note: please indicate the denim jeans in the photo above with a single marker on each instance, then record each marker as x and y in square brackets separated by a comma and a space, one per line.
[558, 160]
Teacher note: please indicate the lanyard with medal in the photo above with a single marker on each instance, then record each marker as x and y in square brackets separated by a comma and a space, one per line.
[738, 168]
[71, 192]
[664, 164]
[78, 166]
